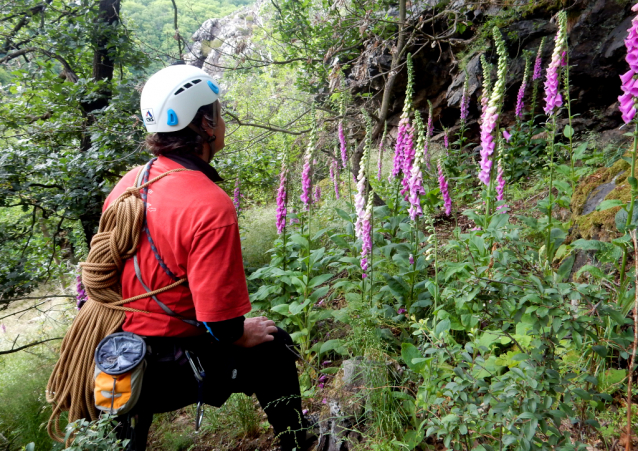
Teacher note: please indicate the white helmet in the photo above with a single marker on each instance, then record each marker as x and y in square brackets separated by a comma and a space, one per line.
[172, 96]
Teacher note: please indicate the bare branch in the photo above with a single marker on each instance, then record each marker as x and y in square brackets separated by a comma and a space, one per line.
[12, 350]
[267, 127]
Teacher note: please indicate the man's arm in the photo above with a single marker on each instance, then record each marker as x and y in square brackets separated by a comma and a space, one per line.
[243, 332]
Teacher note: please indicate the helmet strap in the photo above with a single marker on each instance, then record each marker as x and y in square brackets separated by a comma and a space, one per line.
[208, 139]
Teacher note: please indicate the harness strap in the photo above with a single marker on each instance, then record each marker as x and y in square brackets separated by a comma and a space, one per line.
[163, 306]
[142, 180]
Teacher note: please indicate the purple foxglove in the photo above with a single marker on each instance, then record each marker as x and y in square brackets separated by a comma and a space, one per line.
[446, 140]
[553, 98]
[507, 135]
[334, 176]
[306, 172]
[491, 113]
[538, 71]
[629, 83]
[428, 136]
[236, 196]
[520, 99]
[408, 158]
[281, 199]
[500, 186]
[465, 102]
[344, 146]
[416, 188]
[404, 124]
[366, 235]
[306, 182]
[317, 197]
[447, 201]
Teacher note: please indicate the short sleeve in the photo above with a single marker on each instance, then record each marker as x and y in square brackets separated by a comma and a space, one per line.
[215, 272]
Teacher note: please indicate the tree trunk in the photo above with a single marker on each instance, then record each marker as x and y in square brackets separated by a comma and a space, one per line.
[387, 94]
[103, 68]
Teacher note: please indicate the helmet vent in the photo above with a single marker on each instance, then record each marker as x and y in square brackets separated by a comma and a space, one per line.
[188, 85]
[179, 91]
[196, 81]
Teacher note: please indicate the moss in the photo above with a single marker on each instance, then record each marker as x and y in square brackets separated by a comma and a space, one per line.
[250, 18]
[603, 175]
[601, 225]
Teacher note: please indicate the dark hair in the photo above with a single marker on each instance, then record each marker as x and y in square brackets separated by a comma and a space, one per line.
[184, 141]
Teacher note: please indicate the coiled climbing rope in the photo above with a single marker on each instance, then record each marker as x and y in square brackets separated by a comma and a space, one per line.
[70, 387]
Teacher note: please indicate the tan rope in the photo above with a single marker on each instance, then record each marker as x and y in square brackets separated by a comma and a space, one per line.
[70, 386]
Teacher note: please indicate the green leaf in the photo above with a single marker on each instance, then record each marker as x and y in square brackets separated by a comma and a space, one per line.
[621, 220]
[566, 267]
[600, 350]
[442, 326]
[298, 239]
[409, 352]
[282, 309]
[332, 345]
[610, 203]
[319, 293]
[331, 370]
[582, 394]
[568, 132]
[318, 280]
[343, 214]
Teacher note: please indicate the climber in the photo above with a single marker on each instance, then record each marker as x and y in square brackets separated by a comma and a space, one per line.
[200, 347]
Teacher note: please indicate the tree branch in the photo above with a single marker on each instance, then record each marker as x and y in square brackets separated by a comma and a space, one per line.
[266, 127]
[12, 350]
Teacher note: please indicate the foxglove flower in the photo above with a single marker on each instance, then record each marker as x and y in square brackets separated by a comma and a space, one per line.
[447, 201]
[380, 162]
[236, 196]
[520, 103]
[491, 113]
[344, 146]
[359, 197]
[81, 292]
[465, 102]
[507, 135]
[553, 98]
[446, 140]
[428, 137]
[306, 173]
[628, 79]
[281, 199]
[334, 176]
[538, 72]
[500, 185]
[317, 197]
[404, 125]
[408, 158]
[366, 235]
[411, 259]
[416, 188]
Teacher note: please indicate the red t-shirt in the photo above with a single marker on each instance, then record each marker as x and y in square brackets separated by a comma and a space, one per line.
[193, 224]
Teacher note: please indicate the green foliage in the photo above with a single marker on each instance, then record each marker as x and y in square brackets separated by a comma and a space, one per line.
[24, 410]
[96, 435]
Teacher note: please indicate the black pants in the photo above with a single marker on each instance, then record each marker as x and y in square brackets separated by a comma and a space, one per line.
[267, 370]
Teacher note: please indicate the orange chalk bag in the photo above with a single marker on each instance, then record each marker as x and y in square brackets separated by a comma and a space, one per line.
[119, 371]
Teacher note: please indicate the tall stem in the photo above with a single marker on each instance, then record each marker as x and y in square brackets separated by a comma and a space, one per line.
[633, 352]
[571, 134]
[548, 251]
[634, 193]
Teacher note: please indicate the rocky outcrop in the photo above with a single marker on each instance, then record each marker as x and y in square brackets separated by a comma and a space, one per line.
[217, 41]
[596, 28]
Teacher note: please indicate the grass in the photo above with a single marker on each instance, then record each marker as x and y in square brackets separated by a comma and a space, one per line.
[23, 407]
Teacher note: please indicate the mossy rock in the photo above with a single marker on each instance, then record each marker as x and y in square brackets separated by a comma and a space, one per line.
[605, 184]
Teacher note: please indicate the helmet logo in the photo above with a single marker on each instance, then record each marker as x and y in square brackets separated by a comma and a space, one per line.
[149, 117]
[213, 87]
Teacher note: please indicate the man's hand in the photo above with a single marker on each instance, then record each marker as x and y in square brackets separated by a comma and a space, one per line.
[256, 331]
